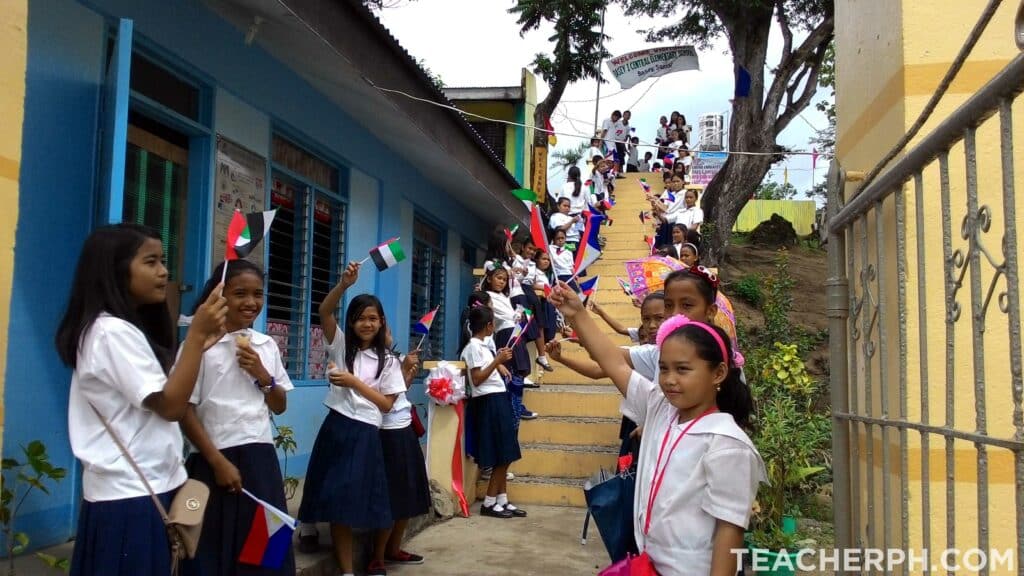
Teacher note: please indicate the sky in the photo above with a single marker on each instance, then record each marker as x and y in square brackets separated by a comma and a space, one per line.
[477, 43]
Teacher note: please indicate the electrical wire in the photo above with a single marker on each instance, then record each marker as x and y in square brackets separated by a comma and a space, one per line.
[947, 80]
[642, 144]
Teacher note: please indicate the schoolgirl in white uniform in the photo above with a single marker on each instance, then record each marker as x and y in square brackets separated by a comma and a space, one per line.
[241, 380]
[692, 421]
[346, 482]
[495, 438]
[117, 337]
[408, 487]
[565, 222]
[573, 190]
[562, 260]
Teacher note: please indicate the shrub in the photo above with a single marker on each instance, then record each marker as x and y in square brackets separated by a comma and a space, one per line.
[749, 289]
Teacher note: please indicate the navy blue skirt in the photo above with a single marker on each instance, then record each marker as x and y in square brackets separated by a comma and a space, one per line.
[520, 362]
[124, 538]
[346, 482]
[548, 319]
[497, 442]
[408, 487]
[229, 516]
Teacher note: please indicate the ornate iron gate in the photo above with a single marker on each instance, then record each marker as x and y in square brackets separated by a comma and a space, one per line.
[904, 380]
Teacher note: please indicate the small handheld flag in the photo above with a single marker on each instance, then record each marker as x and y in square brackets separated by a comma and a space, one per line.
[588, 287]
[387, 254]
[537, 233]
[245, 231]
[270, 537]
[625, 286]
[423, 326]
[526, 195]
[589, 249]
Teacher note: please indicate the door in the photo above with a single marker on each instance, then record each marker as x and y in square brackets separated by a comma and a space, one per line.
[115, 126]
[155, 193]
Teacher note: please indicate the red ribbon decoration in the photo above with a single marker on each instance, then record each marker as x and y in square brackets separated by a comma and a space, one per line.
[440, 389]
[457, 464]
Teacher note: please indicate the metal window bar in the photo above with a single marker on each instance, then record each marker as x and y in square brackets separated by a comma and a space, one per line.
[328, 259]
[288, 281]
[856, 311]
[428, 281]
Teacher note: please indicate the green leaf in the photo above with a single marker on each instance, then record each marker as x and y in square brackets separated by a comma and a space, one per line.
[22, 543]
[35, 449]
[58, 473]
[9, 463]
[798, 475]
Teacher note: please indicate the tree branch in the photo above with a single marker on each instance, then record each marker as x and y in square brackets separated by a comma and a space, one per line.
[787, 32]
[808, 55]
[810, 88]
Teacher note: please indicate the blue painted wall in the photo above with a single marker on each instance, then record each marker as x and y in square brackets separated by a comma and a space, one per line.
[58, 175]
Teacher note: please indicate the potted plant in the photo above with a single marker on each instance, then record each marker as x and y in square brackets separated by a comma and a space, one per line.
[792, 439]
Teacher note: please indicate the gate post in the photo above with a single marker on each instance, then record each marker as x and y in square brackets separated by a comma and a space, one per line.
[837, 299]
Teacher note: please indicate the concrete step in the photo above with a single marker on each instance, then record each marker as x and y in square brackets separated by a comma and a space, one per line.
[542, 491]
[570, 431]
[565, 460]
[575, 401]
[563, 376]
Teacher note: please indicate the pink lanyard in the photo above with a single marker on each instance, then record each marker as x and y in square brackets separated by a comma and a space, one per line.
[656, 481]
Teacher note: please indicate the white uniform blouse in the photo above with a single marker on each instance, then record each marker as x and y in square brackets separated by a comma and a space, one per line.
[713, 475]
[347, 401]
[231, 408]
[116, 370]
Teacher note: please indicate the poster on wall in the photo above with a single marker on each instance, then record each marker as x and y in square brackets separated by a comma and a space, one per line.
[705, 166]
[317, 353]
[240, 184]
[278, 332]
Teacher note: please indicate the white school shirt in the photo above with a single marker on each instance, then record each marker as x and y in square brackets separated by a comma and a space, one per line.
[480, 354]
[230, 407]
[662, 134]
[577, 204]
[609, 133]
[531, 270]
[348, 402]
[557, 220]
[562, 261]
[401, 411]
[712, 475]
[514, 287]
[690, 217]
[634, 335]
[673, 209]
[504, 313]
[116, 370]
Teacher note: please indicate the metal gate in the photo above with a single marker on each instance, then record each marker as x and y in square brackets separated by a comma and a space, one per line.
[926, 374]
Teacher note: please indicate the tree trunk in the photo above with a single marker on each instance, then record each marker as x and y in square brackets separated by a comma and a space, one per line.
[749, 131]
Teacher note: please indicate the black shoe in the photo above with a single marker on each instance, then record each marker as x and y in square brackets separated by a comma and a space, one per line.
[528, 415]
[489, 511]
[545, 365]
[531, 385]
[516, 512]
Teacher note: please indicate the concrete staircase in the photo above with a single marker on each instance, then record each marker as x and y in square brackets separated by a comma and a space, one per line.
[577, 432]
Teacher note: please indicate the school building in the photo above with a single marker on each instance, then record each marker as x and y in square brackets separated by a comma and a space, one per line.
[175, 113]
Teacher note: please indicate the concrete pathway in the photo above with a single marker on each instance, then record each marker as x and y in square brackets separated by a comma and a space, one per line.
[544, 543]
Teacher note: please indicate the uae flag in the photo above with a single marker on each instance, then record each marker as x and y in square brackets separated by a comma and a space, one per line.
[537, 232]
[245, 232]
[387, 254]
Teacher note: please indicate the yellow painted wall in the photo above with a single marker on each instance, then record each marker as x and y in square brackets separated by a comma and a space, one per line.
[800, 214]
[529, 83]
[891, 54]
[14, 47]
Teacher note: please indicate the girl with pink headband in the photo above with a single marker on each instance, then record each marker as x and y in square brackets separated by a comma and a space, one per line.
[693, 419]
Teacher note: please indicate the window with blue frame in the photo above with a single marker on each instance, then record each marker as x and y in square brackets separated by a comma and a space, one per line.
[306, 254]
[428, 277]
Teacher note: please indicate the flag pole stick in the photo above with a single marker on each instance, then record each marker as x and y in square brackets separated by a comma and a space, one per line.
[363, 260]
[420, 343]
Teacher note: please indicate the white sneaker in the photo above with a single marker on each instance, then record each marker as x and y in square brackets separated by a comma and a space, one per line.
[527, 381]
[510, 476]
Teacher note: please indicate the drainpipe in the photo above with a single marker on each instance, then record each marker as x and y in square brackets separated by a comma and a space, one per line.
[837, 297]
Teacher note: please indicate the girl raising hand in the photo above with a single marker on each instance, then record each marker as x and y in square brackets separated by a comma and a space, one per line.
[692, 420]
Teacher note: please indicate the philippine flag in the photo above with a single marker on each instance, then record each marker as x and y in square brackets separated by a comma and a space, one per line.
[270, 537]
[589, 247]
[588, 287]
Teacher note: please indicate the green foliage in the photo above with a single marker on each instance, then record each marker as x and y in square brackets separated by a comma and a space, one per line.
[772, 190]
[284, 440]
[778, 302]
[749, 289]
[578, 42]
[791, 433]
[570, 157]
[435, 78]
[17, 480]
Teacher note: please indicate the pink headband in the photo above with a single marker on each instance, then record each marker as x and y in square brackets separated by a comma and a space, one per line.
[678, 321]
